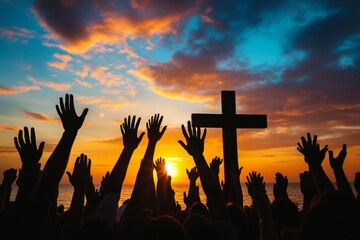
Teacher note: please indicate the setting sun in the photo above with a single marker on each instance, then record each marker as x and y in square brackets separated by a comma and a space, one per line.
[171, 169]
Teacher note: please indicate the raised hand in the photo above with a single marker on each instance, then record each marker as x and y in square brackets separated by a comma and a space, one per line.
[129, 130]
[280, 186]
[70, 120]
[81, 173]
[26, 146]
[9, 176]
[153, 128]
[307, 184]
[192, 197]
[255, 184]
[194, 140]
[160, 166]
[215, 165]
[337, 162]
[310, 148]
[193, 174]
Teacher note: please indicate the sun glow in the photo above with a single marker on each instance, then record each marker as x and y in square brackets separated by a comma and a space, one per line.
[171, 169]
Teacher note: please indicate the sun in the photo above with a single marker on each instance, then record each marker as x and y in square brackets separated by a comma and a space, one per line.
[171, 169]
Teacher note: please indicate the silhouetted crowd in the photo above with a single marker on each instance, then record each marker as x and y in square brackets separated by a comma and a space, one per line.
[152, 212]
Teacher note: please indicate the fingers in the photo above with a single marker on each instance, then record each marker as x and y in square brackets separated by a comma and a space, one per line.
[182, 144]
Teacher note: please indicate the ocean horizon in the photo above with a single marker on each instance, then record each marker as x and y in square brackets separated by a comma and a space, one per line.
[66, 192]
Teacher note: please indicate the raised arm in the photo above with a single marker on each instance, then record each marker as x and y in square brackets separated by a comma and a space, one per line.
[195, 148]
[314, 157]
[193, 192]
[308, 188]
[336, 164]
[79, 179]
[236, 185]
[29, 173]
[46, 193]
[131, 140]
[6, 188]
[256, 187]
[280, 187]
[161, 186]
[114, 182]
[134, 209]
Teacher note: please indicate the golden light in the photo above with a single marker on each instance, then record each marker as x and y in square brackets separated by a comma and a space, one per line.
[171, 169]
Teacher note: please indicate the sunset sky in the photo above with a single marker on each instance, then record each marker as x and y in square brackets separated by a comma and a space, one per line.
[296, 61]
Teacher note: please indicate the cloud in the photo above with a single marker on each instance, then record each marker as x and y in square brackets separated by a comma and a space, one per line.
[85, 71]
[60, 87]
[84, 84]
[8, 127]
[64, 59]
[17, 89]
[82, 25]
[40, 117]
[105, 77]
[17, 33]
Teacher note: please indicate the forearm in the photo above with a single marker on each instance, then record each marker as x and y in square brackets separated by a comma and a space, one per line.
[74, 218]
[322, 181]
[342, 182]
[211, 187]
[118, 173]
[55, 166]
[266, 221]
[239, 194]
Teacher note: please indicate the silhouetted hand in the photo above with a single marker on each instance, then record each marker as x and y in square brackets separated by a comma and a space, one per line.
[235, 172]
[357, 183]
[153, 128]
[313, 155]
[92, 194]
[70, 120]
[255, 184]
[129, 132]
[215, 165]
[280, 186]
[194, 140]
[193, 174]
[307, 184]
[103, 182]
[193, 197]
[337, 162]
[81, 173]
[160, 167]
[26, 146]
[9, 176]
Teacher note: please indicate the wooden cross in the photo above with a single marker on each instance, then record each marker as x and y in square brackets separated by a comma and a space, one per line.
[229, 121]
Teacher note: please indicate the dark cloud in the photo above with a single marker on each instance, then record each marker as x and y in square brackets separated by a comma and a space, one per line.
[68, 19]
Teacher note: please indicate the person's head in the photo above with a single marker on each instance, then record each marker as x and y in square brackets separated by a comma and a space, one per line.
[161, 228]
[182, 215]
[200, 208]
[197, 226]
[331, 215]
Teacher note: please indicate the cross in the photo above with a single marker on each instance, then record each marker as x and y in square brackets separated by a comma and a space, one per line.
[229, 121]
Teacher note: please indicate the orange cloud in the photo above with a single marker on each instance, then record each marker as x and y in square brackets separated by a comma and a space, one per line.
[105, 77]
[85, 71]
[60, 65]
[84, 84]
[41, 117]
[17, 89]
[60, 87]
[78, 33]
[8, 127]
